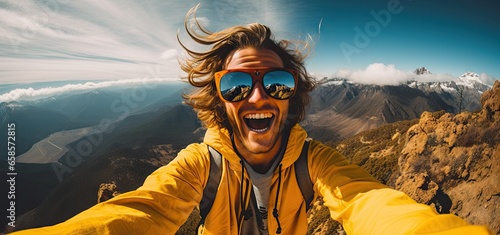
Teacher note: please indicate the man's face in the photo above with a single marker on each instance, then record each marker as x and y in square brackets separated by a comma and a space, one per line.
[258, 120]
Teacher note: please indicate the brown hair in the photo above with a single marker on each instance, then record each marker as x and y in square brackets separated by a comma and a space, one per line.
[201, 66]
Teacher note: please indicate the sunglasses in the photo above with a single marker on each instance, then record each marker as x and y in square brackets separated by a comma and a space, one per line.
[236, 84]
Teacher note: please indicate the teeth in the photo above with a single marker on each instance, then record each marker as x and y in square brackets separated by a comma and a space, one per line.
[260, 130]
[258, 115]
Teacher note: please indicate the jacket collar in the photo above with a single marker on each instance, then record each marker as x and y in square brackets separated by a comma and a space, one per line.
[220, 140]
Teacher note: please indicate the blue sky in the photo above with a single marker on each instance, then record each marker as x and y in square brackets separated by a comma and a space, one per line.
[125, 39]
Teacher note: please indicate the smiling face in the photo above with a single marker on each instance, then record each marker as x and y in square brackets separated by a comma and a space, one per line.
[257, 121]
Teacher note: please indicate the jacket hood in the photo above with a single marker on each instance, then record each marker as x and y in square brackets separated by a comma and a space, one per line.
[220, 140]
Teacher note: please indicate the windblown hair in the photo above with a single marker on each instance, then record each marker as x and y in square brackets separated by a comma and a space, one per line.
[201, 67]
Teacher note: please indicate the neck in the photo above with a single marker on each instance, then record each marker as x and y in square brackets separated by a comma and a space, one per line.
[262, 162]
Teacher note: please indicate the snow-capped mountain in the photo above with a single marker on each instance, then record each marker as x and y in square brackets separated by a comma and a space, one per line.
[468, 79]
[422, 70]
[472, 80]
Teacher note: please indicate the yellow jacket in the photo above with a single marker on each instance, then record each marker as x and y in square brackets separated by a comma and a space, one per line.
[356, 199]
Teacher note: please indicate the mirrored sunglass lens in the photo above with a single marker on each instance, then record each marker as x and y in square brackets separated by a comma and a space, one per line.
[279, 84]
[235, 86]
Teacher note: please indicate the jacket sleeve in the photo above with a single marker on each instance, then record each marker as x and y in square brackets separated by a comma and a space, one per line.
[160, 206]
[365, 206]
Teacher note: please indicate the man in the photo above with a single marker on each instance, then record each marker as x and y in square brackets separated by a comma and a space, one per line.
[251, 97]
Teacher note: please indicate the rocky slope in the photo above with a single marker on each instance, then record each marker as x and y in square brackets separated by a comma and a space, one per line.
[453, 161]
[449, 161]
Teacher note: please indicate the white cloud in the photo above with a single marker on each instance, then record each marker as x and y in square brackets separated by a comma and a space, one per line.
[115, 39]
[487, 79]
[170, 54]
[381, 74]
[30, 93]
[343, 73]
[376, 73]
[54, 40]
[204, 21]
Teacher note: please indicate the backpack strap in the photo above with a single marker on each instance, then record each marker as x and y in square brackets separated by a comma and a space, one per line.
[303, 177]
[210, 190]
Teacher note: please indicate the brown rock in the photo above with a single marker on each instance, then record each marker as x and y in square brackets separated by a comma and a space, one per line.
[107, 191]
[418, 186]
[490, 99]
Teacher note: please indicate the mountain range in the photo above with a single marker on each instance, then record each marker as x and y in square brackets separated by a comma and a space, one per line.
[145, 130]
[37, 119]
[341, 108]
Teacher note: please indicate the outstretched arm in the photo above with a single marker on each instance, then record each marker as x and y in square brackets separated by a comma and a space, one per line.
[365, 206]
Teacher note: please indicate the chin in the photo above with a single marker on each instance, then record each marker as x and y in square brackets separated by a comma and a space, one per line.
[256, 143]
[259, 147]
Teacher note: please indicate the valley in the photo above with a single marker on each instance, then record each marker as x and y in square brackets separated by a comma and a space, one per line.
[52, 148]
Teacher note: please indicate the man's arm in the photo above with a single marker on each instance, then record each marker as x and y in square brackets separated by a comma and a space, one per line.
[160, 206]
[365, 206]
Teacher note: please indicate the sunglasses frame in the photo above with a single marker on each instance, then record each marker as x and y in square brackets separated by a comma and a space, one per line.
[257, 74]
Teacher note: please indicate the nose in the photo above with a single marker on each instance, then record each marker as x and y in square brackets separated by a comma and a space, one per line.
[258, 94]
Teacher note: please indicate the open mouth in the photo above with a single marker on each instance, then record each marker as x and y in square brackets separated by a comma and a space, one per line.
[259, 122]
